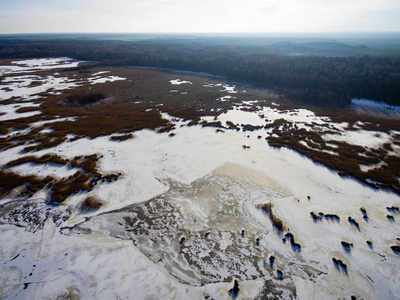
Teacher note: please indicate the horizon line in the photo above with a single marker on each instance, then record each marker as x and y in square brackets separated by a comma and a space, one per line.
[211, 33]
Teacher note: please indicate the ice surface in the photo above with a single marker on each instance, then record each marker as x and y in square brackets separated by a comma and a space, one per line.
[191, 155]
[92, 266]
[100, 73]
[171, 159]
[221, 204]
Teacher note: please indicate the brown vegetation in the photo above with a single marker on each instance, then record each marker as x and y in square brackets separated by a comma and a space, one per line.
[47, 158]
[345, 158]
[276, 222]
[27, 109]
[70, 186]
[91, 204]
[120, 138]
[132, 107]
[84, 180]
[31, 184]
[84, 99]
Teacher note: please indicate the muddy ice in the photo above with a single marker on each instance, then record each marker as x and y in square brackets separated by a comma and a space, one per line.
[208, 231]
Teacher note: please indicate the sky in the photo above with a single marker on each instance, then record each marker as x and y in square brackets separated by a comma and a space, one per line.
[199, 16]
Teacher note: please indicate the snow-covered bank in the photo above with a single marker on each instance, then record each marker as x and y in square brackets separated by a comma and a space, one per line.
[375, 108]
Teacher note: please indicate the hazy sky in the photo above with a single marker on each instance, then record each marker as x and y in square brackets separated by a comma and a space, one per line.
[29, 16]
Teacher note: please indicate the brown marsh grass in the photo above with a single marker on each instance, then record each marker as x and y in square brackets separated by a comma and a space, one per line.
[91, 204]
[135, 103]
[85, 178]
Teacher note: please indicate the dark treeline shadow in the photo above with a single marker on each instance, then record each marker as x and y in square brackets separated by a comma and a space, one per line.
[311, 71]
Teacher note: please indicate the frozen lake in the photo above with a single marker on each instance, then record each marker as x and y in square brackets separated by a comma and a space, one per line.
[185, 218]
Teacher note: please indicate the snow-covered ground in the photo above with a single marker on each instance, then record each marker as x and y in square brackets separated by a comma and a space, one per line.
[375, 108]
[196, 182]
[151, 161]
[99, 79]
[179, 82]
[24, 88]
[10, 111]
[39, 64]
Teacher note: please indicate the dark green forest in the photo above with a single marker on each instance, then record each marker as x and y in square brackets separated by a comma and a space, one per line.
[312, 72]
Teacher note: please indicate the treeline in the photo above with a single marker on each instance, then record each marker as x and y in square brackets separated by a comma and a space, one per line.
[310, 79]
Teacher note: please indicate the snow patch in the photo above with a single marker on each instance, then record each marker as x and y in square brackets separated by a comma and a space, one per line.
[179, 82]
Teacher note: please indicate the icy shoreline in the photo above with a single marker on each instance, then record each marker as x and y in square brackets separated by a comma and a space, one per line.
[169, 159]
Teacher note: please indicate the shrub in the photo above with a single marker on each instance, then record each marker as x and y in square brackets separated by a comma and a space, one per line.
[120, 138]
[82, 99]
[91, 204]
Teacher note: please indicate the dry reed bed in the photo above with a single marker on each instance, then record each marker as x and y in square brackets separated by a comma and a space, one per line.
[85, 178]
[122, 107]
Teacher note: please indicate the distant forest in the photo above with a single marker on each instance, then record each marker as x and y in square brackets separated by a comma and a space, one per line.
[308, 78]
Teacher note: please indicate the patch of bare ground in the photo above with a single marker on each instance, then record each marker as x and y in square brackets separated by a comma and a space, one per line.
[274, 290]
[35, 83]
